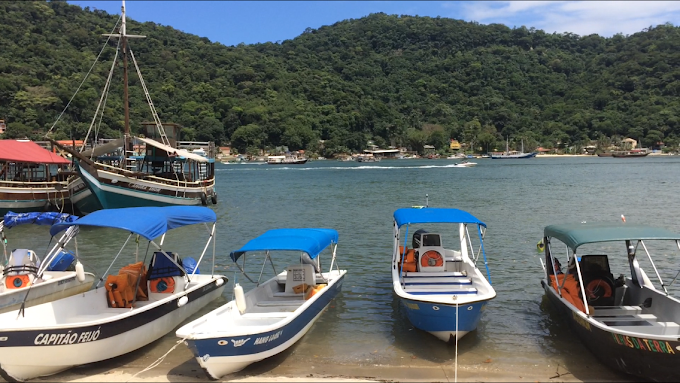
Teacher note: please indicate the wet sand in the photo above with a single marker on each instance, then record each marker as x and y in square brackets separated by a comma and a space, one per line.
[180, 366]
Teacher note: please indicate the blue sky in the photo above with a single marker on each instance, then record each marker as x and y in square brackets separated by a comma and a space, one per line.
[234, 22]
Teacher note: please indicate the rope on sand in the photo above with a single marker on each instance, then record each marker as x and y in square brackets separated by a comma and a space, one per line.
[455, 369]
[159, 360]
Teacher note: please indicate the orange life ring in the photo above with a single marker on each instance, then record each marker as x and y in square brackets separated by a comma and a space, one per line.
[431, 258]
[162, 285]
[597, 286]
[17, 281]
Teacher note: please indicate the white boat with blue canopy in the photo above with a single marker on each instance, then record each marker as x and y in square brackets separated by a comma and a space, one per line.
[275, 314]
[26, 279]
[131, 309]
[441, 289]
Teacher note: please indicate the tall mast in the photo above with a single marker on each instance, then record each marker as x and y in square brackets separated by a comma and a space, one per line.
[123, 36]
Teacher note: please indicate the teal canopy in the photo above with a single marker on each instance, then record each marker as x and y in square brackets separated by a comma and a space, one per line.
[576, 234]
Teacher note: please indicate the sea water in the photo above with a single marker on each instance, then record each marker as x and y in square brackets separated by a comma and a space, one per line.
[364, 325]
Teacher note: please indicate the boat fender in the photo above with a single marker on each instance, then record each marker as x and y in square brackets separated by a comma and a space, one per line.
[204, 199]
[80, 272]
[219, 282]
[213, 198]
[240, 298]
[182, 301]
[431, 258]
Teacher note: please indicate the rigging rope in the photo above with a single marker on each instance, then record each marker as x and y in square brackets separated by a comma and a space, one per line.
[102, 99]
[159, 360]
[82, 82]
[455, 370]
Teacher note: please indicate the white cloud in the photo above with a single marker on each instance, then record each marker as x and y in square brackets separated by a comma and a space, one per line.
[605, 18]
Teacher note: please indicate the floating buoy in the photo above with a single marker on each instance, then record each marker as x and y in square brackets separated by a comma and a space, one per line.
[80, 272]
[540, 246]
[240, 298]
[623, 218]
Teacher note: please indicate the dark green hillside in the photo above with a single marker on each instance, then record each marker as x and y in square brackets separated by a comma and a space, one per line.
[396, 80]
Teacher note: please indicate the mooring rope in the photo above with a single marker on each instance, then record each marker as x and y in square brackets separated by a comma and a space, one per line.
[159, 360]
[455, 368]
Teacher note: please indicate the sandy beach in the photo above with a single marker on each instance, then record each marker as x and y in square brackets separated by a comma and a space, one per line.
[180, 366]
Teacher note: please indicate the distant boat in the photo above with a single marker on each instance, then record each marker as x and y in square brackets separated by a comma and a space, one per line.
[286, 160]
[607, 154]
[631, 153]
[367, 158]
[32, 178]
[512, 154]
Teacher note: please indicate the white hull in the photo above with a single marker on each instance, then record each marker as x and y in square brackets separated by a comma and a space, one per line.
[75, 314]
[58, 284]
[267, 312]
[218, 367]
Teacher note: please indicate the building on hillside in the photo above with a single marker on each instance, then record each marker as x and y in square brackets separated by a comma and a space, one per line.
[628, 143]
[454, 145]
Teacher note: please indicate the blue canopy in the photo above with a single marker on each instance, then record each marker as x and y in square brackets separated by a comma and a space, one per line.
[149, 222]
[12, 219]
[409, 216]
[311, 241]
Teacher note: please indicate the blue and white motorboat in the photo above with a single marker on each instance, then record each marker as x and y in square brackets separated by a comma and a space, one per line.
[441, 289]
[274, 315]
[131, 310]
[25, 279]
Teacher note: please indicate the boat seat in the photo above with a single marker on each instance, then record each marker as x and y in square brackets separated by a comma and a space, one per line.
[616, 310]
[439, 289]
[434, 274]
[438, 281]
[299, 278]
[280, 303]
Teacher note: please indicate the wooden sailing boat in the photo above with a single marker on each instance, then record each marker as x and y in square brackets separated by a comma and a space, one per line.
[165, 175]
[512, 154]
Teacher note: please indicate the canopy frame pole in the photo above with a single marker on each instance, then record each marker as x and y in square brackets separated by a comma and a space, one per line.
[481, 246]
[483, 231]
[266, 257]
[71, 232]
[654, 266]
[243, 269]
[214, 249]
[101, 279]
[580, 281]
[271, 262]
[205, 248]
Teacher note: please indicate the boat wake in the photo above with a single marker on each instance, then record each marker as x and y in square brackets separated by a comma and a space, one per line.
[365, 167]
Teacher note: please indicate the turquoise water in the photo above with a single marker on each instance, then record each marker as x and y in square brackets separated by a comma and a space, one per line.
[364, 325]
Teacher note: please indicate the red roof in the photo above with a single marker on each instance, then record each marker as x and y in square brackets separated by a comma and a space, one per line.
[28, 151]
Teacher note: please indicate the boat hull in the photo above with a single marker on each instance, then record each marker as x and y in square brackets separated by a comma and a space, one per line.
[82, 198]
[219, 356]
[649, 359]
[440, 319]
[25, 198]
[513, 156]
[33, 352]
[630, 155]
[61, 285]
[114, 191]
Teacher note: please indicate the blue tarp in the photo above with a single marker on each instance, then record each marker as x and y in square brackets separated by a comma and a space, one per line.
[434, 215]
[311, 241]
[49, 218]
[149, 222]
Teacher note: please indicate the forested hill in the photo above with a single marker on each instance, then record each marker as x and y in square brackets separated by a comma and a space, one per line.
[396, 80]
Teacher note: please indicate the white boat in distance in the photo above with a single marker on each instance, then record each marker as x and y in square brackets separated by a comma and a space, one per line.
[512, 154]
[28, 281]
[277, 313]
[286, 160]
[128, 313]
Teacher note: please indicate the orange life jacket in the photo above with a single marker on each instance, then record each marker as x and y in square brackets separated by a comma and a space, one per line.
[570, 290]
